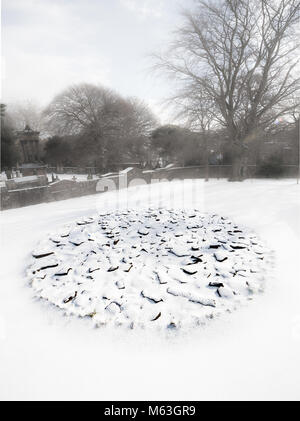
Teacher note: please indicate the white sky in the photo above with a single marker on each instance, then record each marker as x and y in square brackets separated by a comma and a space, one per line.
[50, 44]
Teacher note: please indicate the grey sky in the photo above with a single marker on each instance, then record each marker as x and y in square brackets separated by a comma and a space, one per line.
[50, 44]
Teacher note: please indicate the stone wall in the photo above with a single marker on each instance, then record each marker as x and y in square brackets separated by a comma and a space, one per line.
[66, 189]
[60, 190]
[26, 182]
[23, 197]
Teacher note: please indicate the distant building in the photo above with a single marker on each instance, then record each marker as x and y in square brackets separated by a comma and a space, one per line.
[30, 153]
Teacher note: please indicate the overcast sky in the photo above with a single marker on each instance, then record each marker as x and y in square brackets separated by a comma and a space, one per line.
[50, 44]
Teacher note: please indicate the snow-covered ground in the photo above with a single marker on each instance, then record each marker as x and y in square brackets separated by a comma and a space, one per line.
[252, 353]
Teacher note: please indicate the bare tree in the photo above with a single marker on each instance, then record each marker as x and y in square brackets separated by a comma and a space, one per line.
[100, 115]
[242, 55]
[81, 107]
[26, 113]
[197, 110]
[137, 124]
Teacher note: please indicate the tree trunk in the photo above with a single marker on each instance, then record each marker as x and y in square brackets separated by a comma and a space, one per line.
[103, 160]
[207, 170]
[206, 159]
[237, 170]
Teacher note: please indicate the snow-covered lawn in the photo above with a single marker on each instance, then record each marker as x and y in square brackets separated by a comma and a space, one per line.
[252, 353]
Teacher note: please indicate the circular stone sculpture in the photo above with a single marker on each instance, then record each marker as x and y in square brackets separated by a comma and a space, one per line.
[159, 268]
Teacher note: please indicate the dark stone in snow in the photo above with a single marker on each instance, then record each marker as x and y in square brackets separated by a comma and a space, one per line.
[48, 267]
[151, 298]
[157, 317]
[219, 257]
[197, 259]
[120, 285]
[237, 247]
[179, 252]
[216, 284]
[67, 300]
[222, 241]
[93, 270]
[39, 256]
[63, 273]
[143, 232]
[76, 244]
[113, 268]
[189, 271]
[129, 269]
